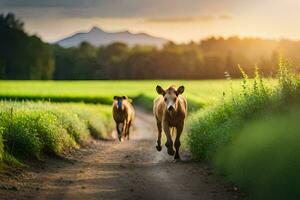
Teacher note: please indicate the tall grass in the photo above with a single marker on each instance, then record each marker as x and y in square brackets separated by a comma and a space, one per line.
[264, 158]
[30, 129]
[212, 128]
[252, 138]
[1, 145]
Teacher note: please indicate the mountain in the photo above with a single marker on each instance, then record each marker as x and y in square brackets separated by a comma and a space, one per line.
[97, 37]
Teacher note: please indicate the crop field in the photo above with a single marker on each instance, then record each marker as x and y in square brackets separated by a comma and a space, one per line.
[103, 91]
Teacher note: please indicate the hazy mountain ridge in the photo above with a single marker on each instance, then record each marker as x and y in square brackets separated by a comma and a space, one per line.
[97, 37]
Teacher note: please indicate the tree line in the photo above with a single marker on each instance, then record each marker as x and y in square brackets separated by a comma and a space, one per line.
[23, 56]
[27, 57]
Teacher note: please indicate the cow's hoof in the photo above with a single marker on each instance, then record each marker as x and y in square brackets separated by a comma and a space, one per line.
[177, 158]
[158, 147]
[171, 151]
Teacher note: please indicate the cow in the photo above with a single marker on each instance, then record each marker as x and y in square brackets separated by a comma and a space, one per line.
[170, 111]
[123, 114]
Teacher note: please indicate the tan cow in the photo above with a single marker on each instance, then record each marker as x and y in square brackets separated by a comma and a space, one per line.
[123, 114]
[170, 110]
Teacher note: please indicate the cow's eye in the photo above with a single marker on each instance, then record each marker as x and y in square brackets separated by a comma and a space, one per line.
[174, 98]
[165, 99]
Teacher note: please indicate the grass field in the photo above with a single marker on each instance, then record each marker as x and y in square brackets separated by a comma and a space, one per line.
[202, 92]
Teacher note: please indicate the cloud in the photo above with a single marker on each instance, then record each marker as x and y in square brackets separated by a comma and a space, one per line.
[118, 8]
[187, 19]
[226, 17]
[45, 3]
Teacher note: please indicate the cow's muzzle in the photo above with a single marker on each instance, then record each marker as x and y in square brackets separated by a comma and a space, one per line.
[171, 108]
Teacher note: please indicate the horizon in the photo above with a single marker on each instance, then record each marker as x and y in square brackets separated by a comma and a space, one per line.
[176, 42]
[184, 22]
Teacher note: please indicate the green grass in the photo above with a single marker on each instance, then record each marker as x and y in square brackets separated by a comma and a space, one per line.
[252, 137]
[30, 129]
[198, 93]
[214, 127]
[264, 158]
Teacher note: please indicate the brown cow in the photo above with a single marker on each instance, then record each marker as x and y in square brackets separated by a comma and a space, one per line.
[170, 110]
[123, 114]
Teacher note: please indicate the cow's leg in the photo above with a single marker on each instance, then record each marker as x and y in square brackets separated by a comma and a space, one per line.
[124, 130]
[169, 143]
[159, 128]
[127, 131]
[177, 141]
[118, 130]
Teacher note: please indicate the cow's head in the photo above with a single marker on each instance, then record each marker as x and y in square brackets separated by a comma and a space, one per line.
[119, 100]
[170, 96]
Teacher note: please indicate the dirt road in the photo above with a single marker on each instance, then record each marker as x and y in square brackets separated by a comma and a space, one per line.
[113, 170]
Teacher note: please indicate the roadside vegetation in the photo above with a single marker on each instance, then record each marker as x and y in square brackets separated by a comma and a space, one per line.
[30, 129]
[252, 137]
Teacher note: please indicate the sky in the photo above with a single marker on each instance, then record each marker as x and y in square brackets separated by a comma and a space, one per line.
[177, 20]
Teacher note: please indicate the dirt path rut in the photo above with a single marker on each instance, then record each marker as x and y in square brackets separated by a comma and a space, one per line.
[113, 170]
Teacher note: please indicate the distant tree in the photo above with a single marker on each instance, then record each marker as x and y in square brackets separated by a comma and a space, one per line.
[11, 22]
[23, 56]
[112, 59]
[2, 68]
[209, 59]
[85, 61]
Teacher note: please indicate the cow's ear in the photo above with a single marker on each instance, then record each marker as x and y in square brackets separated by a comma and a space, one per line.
[159, 90]
[124, 97]
[180, 90]
[115, 97]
